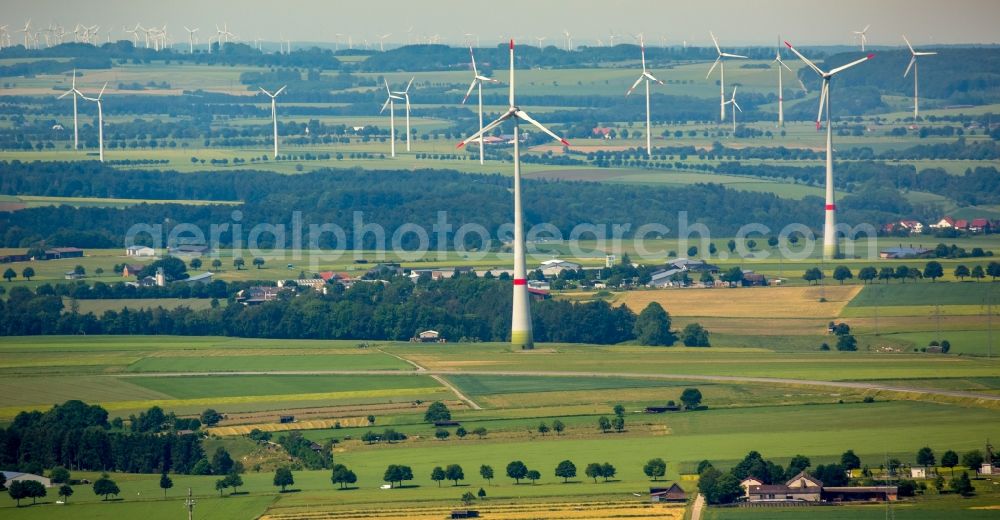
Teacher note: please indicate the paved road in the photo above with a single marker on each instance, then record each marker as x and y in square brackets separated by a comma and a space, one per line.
[857, 385]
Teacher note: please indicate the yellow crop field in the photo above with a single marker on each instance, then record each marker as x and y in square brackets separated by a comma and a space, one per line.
[747, 302]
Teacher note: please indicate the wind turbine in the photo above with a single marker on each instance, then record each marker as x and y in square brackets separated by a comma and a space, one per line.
[191, 38]
[477, 81]
[381, 41]
[913, 65]
[569, 40]
[390, 102]
[74, 92]
[648, 77]
[100, 120]
[736, 106]
[540, 40]
[406, 95]
[863, 36]
[722, 75]
[830, 246]
[520, 333]
[27, 34]
[274, 116]
[781, 98]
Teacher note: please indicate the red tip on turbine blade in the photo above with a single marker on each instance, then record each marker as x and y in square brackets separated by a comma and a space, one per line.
[870, 56]
[788, 44]
[565, 142]
[460, 145]
[512, 44]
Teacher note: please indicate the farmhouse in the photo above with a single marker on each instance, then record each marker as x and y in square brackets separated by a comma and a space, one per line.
[63, 252]
[17, 476]
[429, 336]
[132, 270]
[944, 223]
[258, 294]
[317, 284]
[555, 266]
[674, 493]
[803, 488]
[980, 225]
[140, 251]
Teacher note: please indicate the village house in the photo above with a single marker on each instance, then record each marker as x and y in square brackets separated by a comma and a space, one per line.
[258, 294]
[805, 489]
[674, 493]
[131, 270]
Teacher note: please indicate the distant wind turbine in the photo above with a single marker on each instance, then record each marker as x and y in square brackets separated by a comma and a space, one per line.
[390, 102]
[477, 82]
[722, 75]
[913, 65]
[274, 115]
[100, 120]
[406, 96]
[191, 38]
[781, 92]
[75, 93]
[862, 35]
[647, 77]
[736, 106]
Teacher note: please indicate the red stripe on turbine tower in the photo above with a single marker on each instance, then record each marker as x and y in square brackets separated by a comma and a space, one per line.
[520, 281]
[831, 207]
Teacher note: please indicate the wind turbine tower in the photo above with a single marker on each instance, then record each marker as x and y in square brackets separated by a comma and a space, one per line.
[520, 333]
[913, 65]
[477, 82]
[100, 120]
[274, 115]
[647, 77]
[390, 101]
[722, 74]
[406, 96]
[74, 92]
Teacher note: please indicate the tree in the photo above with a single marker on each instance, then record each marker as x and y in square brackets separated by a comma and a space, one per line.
[847, 343]
[655, 468]
[558, 427]
[343, 476]
[59, 475]
[238, 263]
[258, 262]
[734, 276]
[9, 274]
[17, 491]
[210, 417]
[886, 273]
[841, 273]
[461, 432]
[618, 423]
[222, 462]
[442, 434]
[850, 461]
[396, 473]
[925, 457]
[973, 460]
[902, 273]
[604, 423]
[813, 274]
[933, 270]
[566, 469]
[831, 474]
[27, 273]
[652, 326]
[34, 490]
[533, 475]
[105, 487]
[283, 477]
[961, 272]
[437, 475]
[608, 471]
[454, 473]
[480, 432]
[731, 245]
[216, 264]
[221, 485]
[234, 480]
[798, 464]
[867, 274]
[486, 472]
[694, 335]
[691, 397]
[978, 273]
[950, 460]
[543, 428]
[517, 470]
[481, 493]
[195, 263]
[962, 485]
[707, 278]
[692, 251]
[65, 491]
[593, 470]
[437, 411]
[468, 498]
[165, 483]
[619, 410]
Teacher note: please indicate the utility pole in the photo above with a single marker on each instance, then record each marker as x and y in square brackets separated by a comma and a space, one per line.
[189, 503]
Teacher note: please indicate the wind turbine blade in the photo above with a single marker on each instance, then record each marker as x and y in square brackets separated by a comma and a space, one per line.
[727, 55]
[651, 77]
[484, 78]
[716, 42]
[803, 85]
[924, 53]
[511, 87]
[280, 90]
[102, 90]
[866, 28]
[634, 85]
[785, 66]
[469, 93]
[487, 128]
[851, 64]
[804, 59]
[64, 94]
[737, 105]
[475, 71]
[523, 115]
[387, 100]
[913, 59]
[908, 44]
[713, 67]
[822, 99]
[387, 86]
[264, 91]
[407, 89]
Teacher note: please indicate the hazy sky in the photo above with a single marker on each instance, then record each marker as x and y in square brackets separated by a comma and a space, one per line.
[804, 22]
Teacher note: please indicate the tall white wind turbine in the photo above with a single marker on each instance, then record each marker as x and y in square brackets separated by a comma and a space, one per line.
[569, 40]
[862, 35]
[274, 115]
[381, 41]
[520, 333]
[722, 74]
[781, 90]
[27, 34]
[913, 65]
[647, 77]
[100, 120]
[406, 96]
[390, 101]
[736, 106]
[477, 82]
[831, 248]
[191, 38]
[74, 92]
